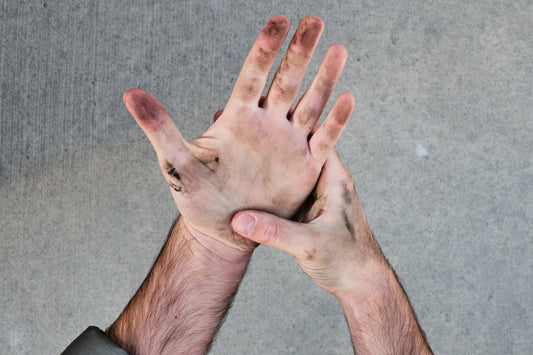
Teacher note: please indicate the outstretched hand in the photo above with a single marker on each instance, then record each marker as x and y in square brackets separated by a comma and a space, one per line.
[260, 153]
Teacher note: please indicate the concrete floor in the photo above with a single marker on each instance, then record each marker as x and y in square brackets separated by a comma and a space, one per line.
[440, 147]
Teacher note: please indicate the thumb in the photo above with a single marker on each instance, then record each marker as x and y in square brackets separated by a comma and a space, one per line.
[156, 123]
[265, 228]
[169, 145]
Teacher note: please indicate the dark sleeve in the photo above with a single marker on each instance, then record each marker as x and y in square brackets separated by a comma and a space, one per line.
[93, 341]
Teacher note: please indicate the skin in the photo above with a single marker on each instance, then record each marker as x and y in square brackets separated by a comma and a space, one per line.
[253, 156]
[334, 246]
[260, 153]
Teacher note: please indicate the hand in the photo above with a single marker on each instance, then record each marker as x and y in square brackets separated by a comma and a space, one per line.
[335, 247]
[259, 154]
[334, 240]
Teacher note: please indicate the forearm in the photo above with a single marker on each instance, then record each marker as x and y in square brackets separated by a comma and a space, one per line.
[379, 315]
[180, 305]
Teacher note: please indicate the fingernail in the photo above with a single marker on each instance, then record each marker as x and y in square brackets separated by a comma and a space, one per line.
[244, 224]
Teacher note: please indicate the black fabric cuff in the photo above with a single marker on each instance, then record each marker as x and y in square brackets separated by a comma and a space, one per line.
[93, 341]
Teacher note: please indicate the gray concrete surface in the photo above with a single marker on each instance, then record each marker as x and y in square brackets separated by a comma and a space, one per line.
[440, 147]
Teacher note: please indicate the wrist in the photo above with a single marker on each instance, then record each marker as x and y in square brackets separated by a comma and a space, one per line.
[379, 315]
[364, 269]
[369, 281]
[213, 251]
[188, 278]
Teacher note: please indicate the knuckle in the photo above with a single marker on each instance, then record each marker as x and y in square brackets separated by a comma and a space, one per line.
[270, 233]
[287, 86]
[325, 83]
[265, 55]
[249, 87]
[309, 116]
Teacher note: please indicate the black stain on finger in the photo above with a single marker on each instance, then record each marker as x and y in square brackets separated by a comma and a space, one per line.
[347, 222]
[346, 194]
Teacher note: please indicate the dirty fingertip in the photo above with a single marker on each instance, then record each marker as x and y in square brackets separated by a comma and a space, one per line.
[314, 21]
[132, 94]
[279, 21]
[146, 110]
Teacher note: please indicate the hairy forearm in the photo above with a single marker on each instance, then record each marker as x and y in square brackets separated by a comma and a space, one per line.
[180, 305]
[379, 315]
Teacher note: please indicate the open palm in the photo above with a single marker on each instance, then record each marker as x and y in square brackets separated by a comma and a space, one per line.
[260, 153]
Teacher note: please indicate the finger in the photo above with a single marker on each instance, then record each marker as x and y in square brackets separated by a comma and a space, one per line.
[264, 228]
[290, 74]
[168, 143]
[254, 73]
[311, 105]
[217, 115]
[325, 137]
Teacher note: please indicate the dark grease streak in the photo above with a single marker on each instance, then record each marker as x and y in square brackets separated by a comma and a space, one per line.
[175, 187]
[172, 171]
[347, 222]
[346, 195]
